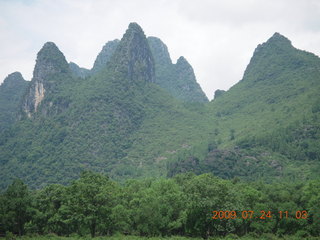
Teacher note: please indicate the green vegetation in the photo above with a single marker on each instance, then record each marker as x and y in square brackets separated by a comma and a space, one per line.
[11, 92]
[124, 237]
[266, 126]
[119, 121]
[117, 237]
[183, 205]
[170, 157]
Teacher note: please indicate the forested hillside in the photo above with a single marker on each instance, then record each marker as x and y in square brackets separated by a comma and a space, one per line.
[267, 125]
[116, 121]
[119, 119]
[11, 93]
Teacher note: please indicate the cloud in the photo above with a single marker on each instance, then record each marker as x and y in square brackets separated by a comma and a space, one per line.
[216, 37]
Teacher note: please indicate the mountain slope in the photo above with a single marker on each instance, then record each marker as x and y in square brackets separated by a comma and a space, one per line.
[123, 122]
[267, 125]
[11, 92]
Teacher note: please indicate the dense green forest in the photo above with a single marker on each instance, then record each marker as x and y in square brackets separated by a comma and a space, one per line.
[11, 92]
[187, 205]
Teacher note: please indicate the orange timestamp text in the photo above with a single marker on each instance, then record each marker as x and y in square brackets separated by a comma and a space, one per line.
[259, 215]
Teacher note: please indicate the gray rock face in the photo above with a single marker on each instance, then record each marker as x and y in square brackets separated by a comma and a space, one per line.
[104, 56]
[50, 61]
[183, 67]
[133, 56]
[156, 67]
[179, 78]
[78, 71]
[187, 82]
[159, 51]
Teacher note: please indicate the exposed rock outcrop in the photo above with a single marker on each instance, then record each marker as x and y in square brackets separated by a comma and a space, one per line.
[104, 56]
[179, 78]
[78, 71]
[133, 56]
[50, 61]
[160, 51]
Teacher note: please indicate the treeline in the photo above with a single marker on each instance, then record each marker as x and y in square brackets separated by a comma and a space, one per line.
[182, 205]
[291, 153]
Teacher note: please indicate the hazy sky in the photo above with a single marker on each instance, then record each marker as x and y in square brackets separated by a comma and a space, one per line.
[217, 37]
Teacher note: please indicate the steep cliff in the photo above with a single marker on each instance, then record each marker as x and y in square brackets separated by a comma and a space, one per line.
[104, 56]
[79, 71]
[51, 70]
[179, 78]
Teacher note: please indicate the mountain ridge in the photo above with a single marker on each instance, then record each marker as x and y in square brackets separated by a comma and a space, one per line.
[181, 83]
[50, 61]
[91, 123]
[124, 121]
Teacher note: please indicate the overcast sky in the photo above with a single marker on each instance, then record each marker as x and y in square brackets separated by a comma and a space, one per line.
[217, 37]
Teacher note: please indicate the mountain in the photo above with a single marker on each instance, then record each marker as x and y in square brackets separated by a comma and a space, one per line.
[133, 57]
[105, 122]
[179, 78]
[267, 125]
[126, 121]
[122, 122]
[11, 92]
[50, 74]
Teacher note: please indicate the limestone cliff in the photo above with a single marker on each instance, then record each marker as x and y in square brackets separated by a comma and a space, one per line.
[105, 55]
[178, 79]
[50, 62]
[78, 71]
[133, 56]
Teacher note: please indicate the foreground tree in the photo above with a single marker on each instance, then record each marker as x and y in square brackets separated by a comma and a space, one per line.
[52, 212]
[91, 199]
[16, 207]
